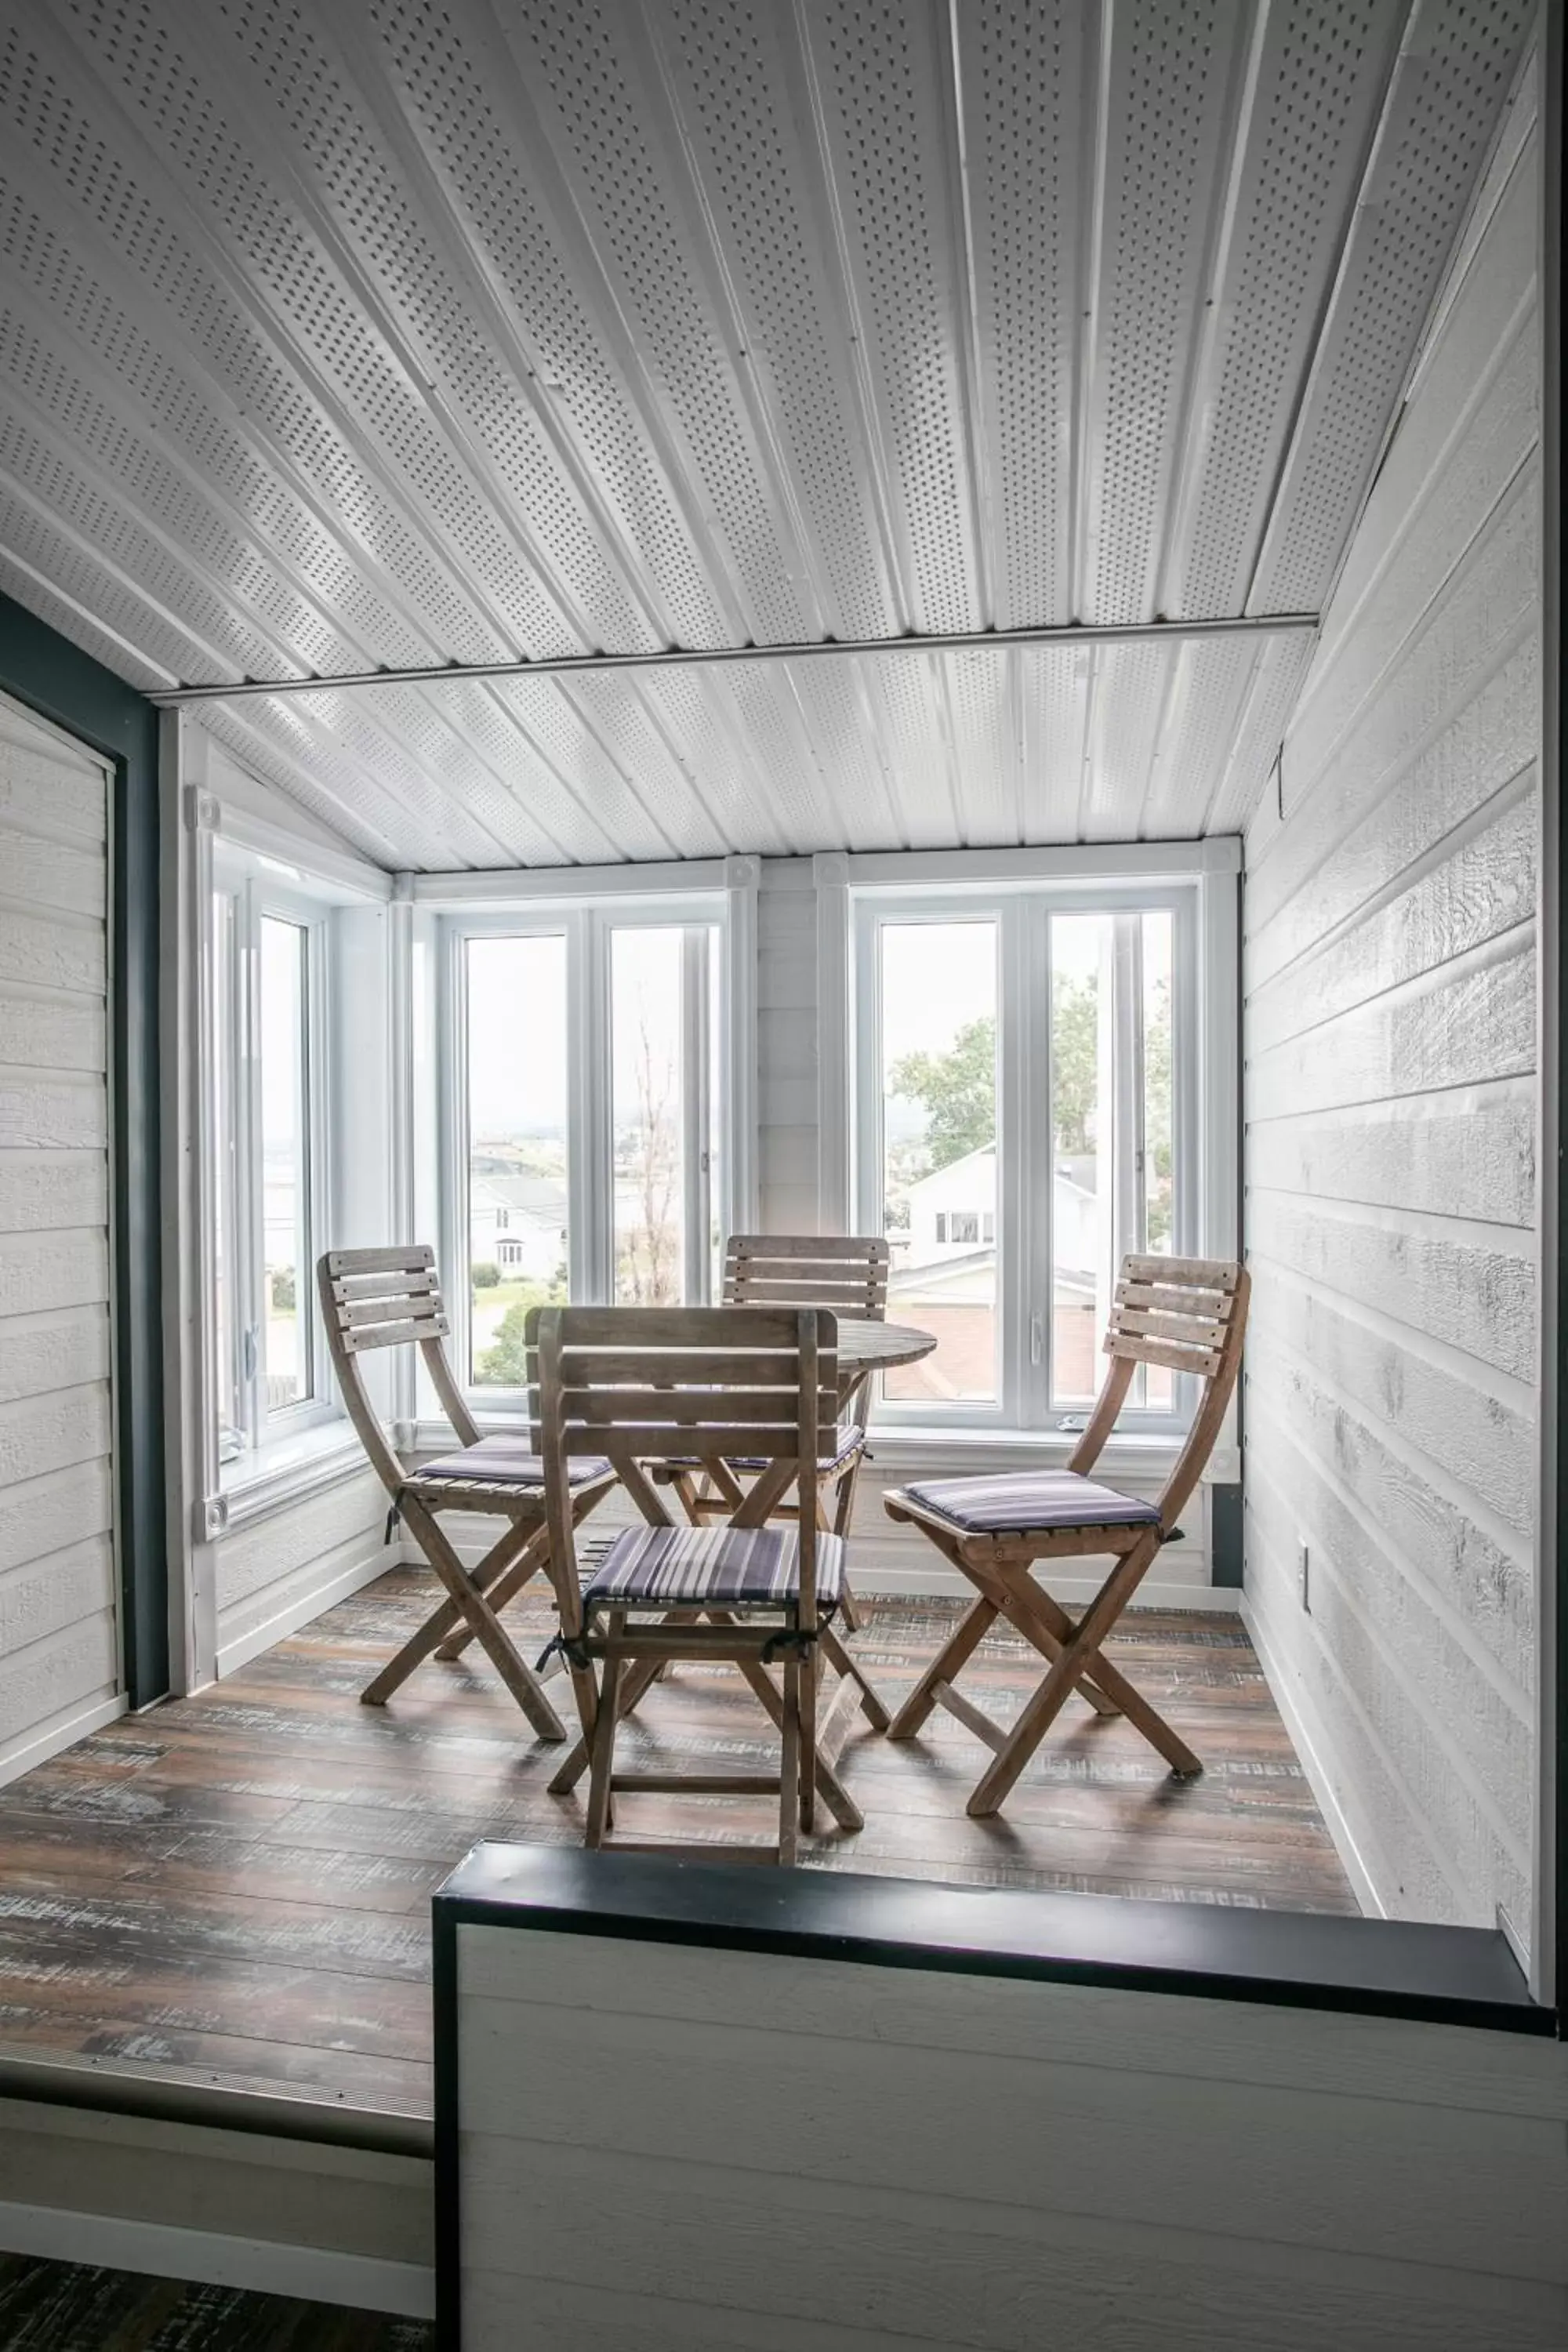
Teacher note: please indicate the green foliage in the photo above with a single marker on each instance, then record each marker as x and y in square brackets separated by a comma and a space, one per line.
[958, 1089]
[1075, 1051]
[283, 1299]
[487, 1277]
[503, 1364]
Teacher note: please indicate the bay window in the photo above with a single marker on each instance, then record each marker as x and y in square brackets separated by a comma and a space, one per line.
[1034, 1070]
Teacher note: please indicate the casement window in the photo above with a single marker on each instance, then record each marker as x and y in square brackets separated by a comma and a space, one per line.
[268, 988]
[585, 1156]
[1034, 1057]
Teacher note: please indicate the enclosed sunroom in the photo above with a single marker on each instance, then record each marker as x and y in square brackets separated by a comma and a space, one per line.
[638, 640]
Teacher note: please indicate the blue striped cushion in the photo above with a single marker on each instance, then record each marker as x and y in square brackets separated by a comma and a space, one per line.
[730, 1568]
[505, 1461]
[1033, 1499]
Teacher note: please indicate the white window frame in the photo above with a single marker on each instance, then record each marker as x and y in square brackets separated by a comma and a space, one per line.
[235, 853]
[719, 896]
[1015, 889]
[256, 894]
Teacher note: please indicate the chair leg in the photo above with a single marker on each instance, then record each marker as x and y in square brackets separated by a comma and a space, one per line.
[954, 1653]
[1080, 1651]
[604, 1745]
[1119, 1696]
[842, 1662]
[843, 1505]
[505, 1589]
[790, 1763]
[488, 1632]
[805, 1775]
[436, 1629]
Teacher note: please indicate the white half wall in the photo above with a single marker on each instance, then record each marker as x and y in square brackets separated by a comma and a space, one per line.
[797, 2154]
[60, 1630]
[1389, 1101]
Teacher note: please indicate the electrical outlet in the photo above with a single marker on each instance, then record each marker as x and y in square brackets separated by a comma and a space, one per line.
[1303, 1576]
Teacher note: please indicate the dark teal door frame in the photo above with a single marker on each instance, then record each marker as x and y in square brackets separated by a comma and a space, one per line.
[61, 683]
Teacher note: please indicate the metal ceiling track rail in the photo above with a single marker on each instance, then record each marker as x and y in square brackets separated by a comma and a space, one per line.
[944, 641]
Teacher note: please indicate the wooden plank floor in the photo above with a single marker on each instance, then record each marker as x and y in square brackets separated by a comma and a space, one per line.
[234, 1887]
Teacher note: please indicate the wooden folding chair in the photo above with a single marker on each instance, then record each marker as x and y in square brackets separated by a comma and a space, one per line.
[391, 1297]
[845, 1272]
[650, 1385]
[1186, 1314]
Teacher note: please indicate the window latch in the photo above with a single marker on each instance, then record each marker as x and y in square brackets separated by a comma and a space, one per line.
[1036, 1338]
[248, 1352]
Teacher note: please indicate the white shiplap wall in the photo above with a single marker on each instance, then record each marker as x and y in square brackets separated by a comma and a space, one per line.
[59, 1636]
[1390, 1055]
[783, 2155]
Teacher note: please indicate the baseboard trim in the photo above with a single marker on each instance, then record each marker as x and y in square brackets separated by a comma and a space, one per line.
[158, 2250]
[46, 1744]
[1308, 1745]
[238, 1653]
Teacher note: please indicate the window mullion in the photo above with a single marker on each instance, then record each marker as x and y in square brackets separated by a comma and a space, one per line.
[590, 1169]
[1127, 1103]
[697, 1188]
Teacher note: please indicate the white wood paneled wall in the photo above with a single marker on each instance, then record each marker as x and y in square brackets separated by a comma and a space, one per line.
[1390, 1053]
[280, 1571]
[664, 2145]
[59, 1635]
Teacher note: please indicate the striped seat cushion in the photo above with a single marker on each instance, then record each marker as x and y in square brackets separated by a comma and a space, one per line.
[1041, 1500]
[505, 1461]
[729, 1567]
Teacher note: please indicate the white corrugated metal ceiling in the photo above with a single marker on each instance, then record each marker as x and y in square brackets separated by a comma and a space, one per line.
[337, 334]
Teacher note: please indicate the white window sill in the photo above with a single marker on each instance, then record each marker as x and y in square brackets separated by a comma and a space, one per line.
[284, 1470]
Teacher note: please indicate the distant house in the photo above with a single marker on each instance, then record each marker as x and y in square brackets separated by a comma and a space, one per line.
[953, 1222]
[518, 1224]
[943, 1276]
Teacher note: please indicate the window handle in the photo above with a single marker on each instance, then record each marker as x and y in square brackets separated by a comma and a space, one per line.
[249, 1353]
[1036, 1338]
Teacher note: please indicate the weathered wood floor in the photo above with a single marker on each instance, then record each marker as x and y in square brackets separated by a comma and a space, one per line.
[233, 1886]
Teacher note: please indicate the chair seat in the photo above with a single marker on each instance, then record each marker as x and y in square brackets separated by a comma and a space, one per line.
[1035, 1501]
[727, 1567]
[504, 1462]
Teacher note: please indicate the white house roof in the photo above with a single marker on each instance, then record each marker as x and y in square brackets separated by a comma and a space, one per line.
[339, 338]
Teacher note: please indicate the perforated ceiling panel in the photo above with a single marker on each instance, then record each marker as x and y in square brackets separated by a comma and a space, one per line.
[389, 333]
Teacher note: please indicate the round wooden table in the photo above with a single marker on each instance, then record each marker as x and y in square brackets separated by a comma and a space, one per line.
[866, 1346]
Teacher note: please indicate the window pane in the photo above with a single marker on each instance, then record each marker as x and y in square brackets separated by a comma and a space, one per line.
[516, 995]
[1082, 1216]
[647, 1116]
[1159, 1140]
[939, 1151]
[285, 1167]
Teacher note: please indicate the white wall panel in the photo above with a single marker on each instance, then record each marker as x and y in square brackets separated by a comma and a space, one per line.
[808, 2153]
[1390, 1053]
[59, 1638]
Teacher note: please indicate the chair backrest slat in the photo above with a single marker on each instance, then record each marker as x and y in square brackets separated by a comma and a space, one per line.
[387, 1298]
[1185, 1315]
[846, 1272]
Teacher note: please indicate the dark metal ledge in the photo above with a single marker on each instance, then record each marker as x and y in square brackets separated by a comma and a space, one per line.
[1453, 1976]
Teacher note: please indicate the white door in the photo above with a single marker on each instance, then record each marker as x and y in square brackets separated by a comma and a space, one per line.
[60, 1596]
